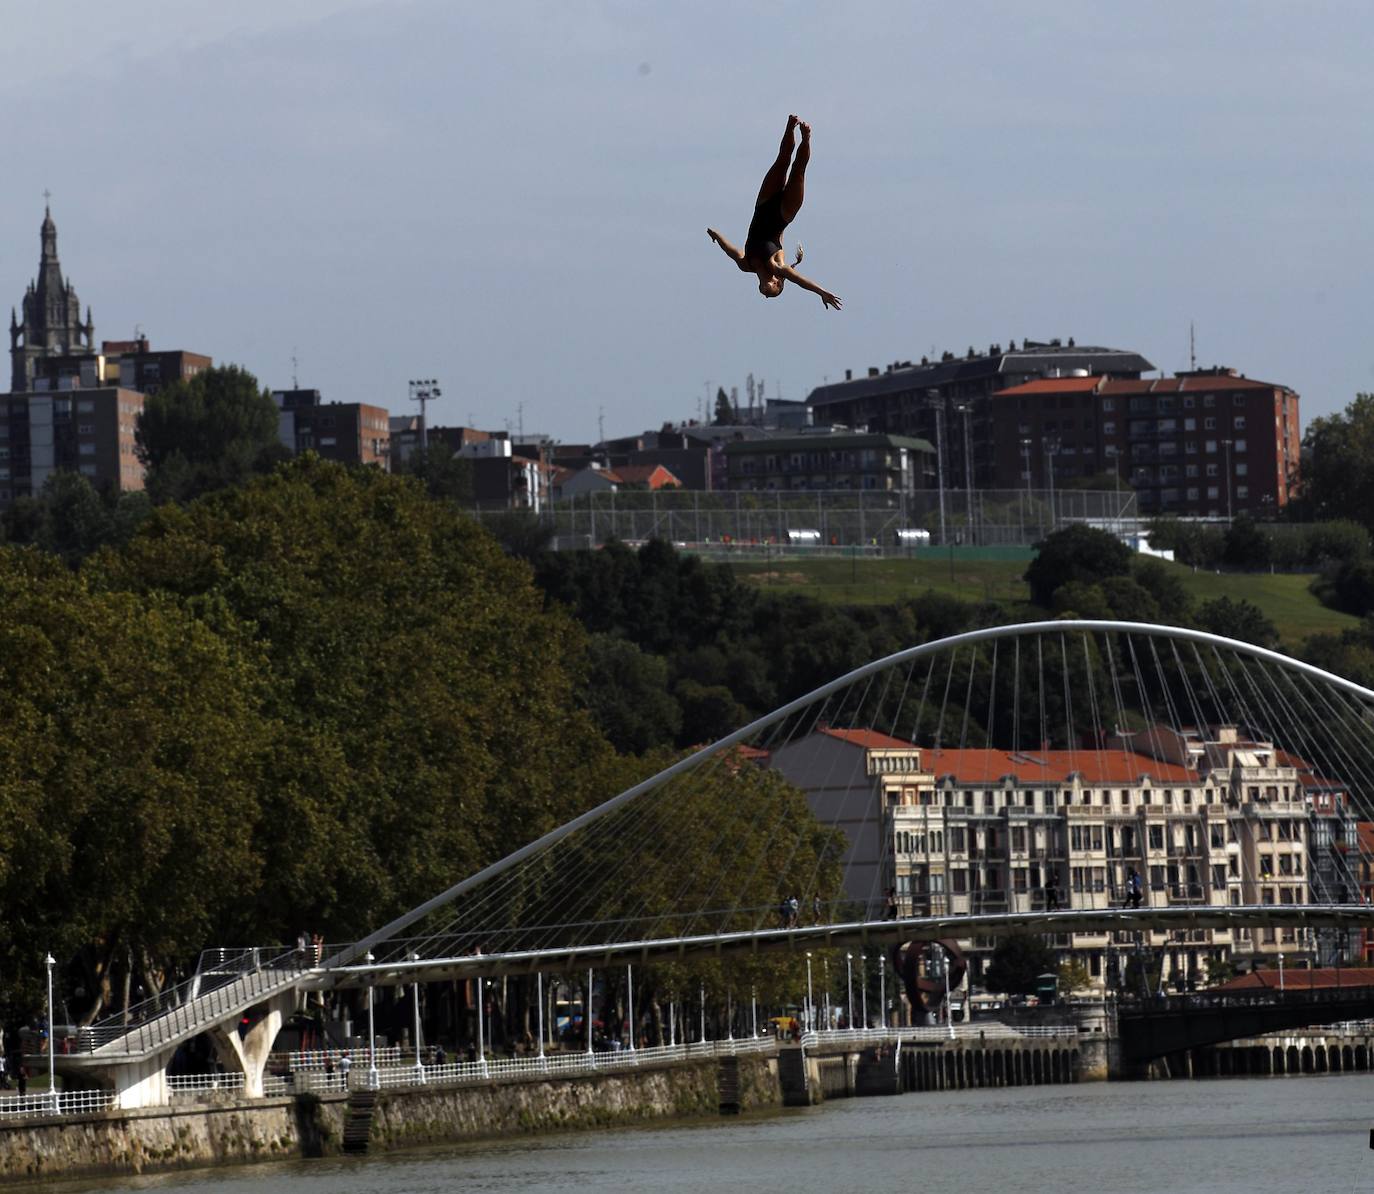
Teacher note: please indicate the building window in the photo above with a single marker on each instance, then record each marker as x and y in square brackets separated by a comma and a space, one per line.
[85, 429]
[1242, 491]
[1109, 427]
[1109, 404]
[1189, 424]
[1209, 423]
[1240, 446]
[88, 470]
[86, 449]
[1242, 468]
[1238, 422]
[1212, 470]
[1213, 491]
[85, 407]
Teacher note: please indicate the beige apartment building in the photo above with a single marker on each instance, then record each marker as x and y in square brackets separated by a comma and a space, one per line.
[1202, 818]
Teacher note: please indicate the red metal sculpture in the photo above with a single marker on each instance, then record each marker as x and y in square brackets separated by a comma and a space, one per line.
[927, 994]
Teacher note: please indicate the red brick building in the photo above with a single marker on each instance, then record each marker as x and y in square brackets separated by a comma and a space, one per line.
[1205, 443]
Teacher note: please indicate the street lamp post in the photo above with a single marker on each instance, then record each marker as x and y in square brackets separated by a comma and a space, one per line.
[863, 989]
[754, 1010]
[703, 1013]
[825, 983]
[849, 988]
[415, 998]
[949, 1007]
[1026, 455]
[937, 404]
[50, 962]
[965, 408]
[882, 986]
[810, 1016]
[630, 1000]
[539, 982]
[1226, 443]
[587, 1012]
[1051, 446]
[373, 1078]
[1281, 986]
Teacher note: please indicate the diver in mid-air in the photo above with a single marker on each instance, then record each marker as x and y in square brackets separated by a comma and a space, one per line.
[780, 198]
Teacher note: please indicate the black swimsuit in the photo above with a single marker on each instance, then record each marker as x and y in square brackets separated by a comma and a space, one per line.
[765, 230]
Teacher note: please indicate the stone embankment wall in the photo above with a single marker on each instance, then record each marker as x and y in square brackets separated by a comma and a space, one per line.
[200, 1135]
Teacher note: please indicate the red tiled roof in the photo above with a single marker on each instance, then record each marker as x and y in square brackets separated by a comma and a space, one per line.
[1144, 385]
[1302, 980]
[645, 474]
[1054, 385]
[868, 739]
[1190, 385]
[1053, 766]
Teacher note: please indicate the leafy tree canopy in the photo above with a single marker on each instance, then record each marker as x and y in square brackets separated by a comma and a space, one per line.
[1339, 463]
[1017, 962]
[1077, 553]
[217, 429]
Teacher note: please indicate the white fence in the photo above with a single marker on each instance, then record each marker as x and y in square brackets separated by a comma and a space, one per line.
[498, 1068]
[310, 1073]
[67, 1102]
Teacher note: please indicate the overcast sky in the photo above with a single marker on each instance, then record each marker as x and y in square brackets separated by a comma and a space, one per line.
[513, 197]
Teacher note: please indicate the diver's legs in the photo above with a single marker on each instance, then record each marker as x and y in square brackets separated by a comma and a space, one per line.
[795, 190]
[776, 178]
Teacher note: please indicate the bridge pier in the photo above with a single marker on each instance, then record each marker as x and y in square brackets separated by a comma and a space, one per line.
[247, 1054]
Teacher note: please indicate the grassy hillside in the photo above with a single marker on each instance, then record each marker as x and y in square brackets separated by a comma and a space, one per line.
[1284, 598]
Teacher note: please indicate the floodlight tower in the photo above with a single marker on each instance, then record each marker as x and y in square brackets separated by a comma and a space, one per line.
[424, 391]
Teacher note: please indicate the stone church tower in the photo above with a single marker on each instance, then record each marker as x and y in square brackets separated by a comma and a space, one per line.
[51, 326]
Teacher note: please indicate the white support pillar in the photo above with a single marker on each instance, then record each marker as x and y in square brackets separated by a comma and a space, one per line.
[630, 999]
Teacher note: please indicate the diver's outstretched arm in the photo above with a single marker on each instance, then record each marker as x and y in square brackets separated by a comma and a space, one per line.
[735, 255]
[791, 275]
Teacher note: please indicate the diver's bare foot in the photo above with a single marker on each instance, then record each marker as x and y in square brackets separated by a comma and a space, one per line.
[805, 129]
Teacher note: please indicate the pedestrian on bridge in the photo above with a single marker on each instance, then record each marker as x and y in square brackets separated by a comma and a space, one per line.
[345, 1064]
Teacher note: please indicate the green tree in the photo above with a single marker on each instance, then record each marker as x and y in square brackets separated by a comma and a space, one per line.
[442, 471]
[1073, 976]
[69, 518]
[413, 672]
[1077, 553]
[1164, 582]
[725, 412]
[1017, 962]
[1239, 619]
[1338, 452]
[627, 694]
[130, 776]
[1247, 546]
[216, 429]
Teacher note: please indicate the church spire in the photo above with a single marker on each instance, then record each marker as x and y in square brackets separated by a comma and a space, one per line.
[51, 322]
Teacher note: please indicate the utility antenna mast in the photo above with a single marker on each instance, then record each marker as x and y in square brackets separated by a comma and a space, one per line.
[1192, 347]
[424, 391]
[601, 424]
[295, 385]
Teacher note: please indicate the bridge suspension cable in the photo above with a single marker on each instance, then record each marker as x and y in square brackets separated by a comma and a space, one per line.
[1067, 764]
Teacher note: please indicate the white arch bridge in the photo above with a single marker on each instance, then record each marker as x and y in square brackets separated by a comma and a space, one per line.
[1038, 777]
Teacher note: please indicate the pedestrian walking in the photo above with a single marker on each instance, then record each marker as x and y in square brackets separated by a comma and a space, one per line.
[891, 912]
[345, 1065]
[23, 1080]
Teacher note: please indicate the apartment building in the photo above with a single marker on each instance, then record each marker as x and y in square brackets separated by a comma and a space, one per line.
[836, 460]
[86, 431]
[350, 432]
[1204, 443]
[1202, 818]
[949, 398]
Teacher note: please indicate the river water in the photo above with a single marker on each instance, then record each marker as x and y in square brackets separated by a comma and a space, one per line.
[1245, 1135]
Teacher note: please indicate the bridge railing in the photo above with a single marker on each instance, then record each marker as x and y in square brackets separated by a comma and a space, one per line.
[1239, 1000]
[494, 1069]
[978, 1030]
[224, 981]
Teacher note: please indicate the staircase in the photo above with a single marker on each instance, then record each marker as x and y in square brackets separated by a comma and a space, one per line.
[727, 1085]
[792, 1077]
[358, 1124]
